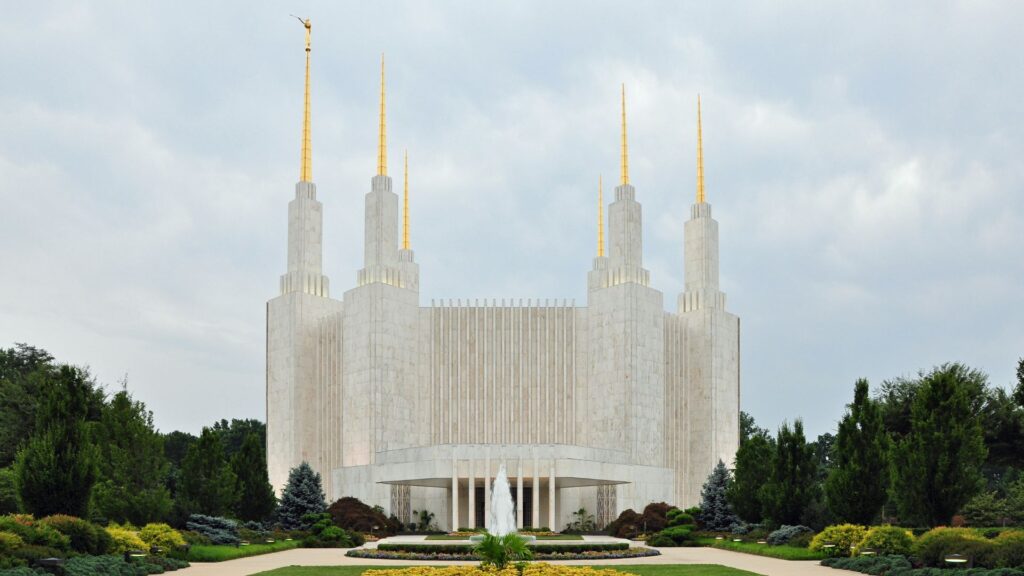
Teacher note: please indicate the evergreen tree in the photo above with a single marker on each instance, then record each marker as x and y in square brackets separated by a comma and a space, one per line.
[748, 427]
[207, 484]
[936, 467]
[132, 465]
[22, 370]
[715, 512]
[256, 500]
[9, 503]
[1018, 391]
[303, 495]
[792, 484]
[233, 434]
[56, 469]
[753, 466]
[857, 486]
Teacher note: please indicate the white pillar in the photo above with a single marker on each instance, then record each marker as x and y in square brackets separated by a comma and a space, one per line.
[536, 493]
[487, 491]
[551, 496]
[471, 509]
[455, 494]
[519, 495]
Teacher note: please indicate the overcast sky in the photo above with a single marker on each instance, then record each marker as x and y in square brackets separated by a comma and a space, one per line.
[864, 163]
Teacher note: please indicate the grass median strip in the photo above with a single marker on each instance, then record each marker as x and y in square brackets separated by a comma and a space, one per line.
[200, 553]
[782, 552]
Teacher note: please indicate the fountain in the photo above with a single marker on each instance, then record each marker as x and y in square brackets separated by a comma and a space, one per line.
[502, 517]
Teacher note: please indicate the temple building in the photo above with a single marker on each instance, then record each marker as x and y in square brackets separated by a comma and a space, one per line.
[604, 406]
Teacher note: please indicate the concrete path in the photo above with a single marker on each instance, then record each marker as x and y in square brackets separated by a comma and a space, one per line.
[336, 557]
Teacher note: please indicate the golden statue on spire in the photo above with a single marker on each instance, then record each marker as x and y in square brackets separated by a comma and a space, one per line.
[405, 212]
[600, 217]
[700, 157]
[306, 170]
[382, 146]
[625, 150]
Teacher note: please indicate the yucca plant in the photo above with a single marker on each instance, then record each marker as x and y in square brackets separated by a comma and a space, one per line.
[498, 551]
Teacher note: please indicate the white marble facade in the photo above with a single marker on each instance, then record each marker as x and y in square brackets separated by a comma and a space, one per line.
[606, 406]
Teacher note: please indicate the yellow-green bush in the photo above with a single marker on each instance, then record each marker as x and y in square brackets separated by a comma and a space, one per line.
[162, 535]
[843, 538]
[9, 542]
[887, 540]
[125, 539]
[933, 546]
[1009, 552]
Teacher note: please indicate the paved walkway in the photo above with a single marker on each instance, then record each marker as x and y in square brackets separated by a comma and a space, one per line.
[336, 557]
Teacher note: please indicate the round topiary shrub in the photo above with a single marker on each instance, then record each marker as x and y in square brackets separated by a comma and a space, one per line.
[838, 539]
[887, 540]
[33, 532]
[933, 546]
[162, 535]
[786, 533]
[85, 537]
[9, 542]
[125, 539]
[1009, 551]
[661, 541]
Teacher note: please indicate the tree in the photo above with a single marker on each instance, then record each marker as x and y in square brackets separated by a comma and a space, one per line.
[936, 467]
[824, 454]
[302, 495]
[22, 369]
[856, 488]
[749, 428]
[715, 512]
[9, 503]
[207, 484]
[753, 466]
[256, 500]
[132, 465]
[56, 469]
[233, 434]
[1018, 391]
[791, 485]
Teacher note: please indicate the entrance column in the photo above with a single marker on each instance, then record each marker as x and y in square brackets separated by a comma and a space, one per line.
[519, 494]
[455, 494]
[471, 511]
[536, 493]
[551, 496]
[487, 491]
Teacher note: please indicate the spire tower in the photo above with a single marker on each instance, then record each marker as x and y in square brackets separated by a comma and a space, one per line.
[405, 207]
[625, 149]
[306, 170]
[382, 146]
[600, 217]
[700, 157]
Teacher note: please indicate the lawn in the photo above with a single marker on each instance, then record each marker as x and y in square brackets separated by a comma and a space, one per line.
[783, 552]
[639, 570]
[555, 537]
[200, 553]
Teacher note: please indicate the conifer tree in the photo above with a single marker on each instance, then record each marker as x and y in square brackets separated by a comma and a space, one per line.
[753, 467]
[857, 486]
[715, 512]
[56, 470]
[207, 484]
[303, 495]
[792, 484]
[256, 500]
[936, 467]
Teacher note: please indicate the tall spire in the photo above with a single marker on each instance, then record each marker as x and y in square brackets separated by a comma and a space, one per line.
[700, 157]
[600, 217]
[405, 211]
[625, 151]
[382, 146]
[306, 170]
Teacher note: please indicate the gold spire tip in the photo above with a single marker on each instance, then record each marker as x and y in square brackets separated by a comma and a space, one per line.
[700, 157]
[405, 211]
[306, 169]
[625, 149]
[600, 217]
[382, 146]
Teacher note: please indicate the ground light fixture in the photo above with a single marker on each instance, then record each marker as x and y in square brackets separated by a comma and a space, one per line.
[737, 539]
[719, 537]
[51, 565]
[868, 552]
[762, 541]
[156, 550]
[129, 554]
[958, 560]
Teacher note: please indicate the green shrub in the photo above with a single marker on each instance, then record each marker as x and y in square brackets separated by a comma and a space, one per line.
[869, 564]
[162, 535]
[1009, 552]
[677, 517]
[842, 537]
[499, 551]
[9, 542]
[661, 541]
[18, 571]
[85, 537]
[801, 540]
[30, 553]
[679, 534]
[116, 566]
[932, 547]
[34, 532]
[786, 533]
[887, 540]
[124, 539]
[218, 530]
[580, 548]
[197, 539]
[324, 534]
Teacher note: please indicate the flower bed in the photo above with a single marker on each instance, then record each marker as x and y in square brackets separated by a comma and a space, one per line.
[466, 553]
[538, 548]
[530, 570]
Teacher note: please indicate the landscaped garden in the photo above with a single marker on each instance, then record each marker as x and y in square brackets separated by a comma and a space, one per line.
[561, 570]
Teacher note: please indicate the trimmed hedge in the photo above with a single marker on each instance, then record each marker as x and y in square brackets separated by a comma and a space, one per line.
[464, 555]
[900, 566]
[574, 548]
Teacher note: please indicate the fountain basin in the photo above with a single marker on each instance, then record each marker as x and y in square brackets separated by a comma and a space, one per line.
[523, 537]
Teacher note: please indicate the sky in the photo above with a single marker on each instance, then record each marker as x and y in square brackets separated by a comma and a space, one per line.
[863, 161]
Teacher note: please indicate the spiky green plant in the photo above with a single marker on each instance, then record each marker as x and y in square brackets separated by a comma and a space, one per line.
[498, 551]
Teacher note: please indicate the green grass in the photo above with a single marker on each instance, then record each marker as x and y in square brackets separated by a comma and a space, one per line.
[200, 553]
[639, 570]
[783, 552]
[555, 537]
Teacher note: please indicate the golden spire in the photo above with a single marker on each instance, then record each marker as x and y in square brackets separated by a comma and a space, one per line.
[625, 152]
[306, 171]
[382, 147]
[600, 217]
[405, 212]
[700, 156]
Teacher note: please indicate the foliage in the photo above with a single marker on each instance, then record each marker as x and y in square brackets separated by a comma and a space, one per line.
[207, 553]
[303, 495]
[786, 532]
[559, 553]
[857, 486]
[256, 500]
[715, 512]
[791, 484]
[842, 538]
[538, 569]
[162, 535]
[218, 530]
[324, 534]
[932, 546]
[749, 428]
[56, 469]
[677, 517]
[580, 547]
[425, 520]
[673, 536]
[1009, 552]
[34, 533]
[207, 484]
[22, 370]
[9, 503]
[124, 539]
[655, 516]
[582, 521]
[985, 509]
[627, 525]
[85, 537]
[499, 551]
[869, 564]
[783, 552]
[355, 516]
[132, 465]
[9, 542]
[941, 455]
[233, 434]
[753, 466]
[886, 540]
[116, 566]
